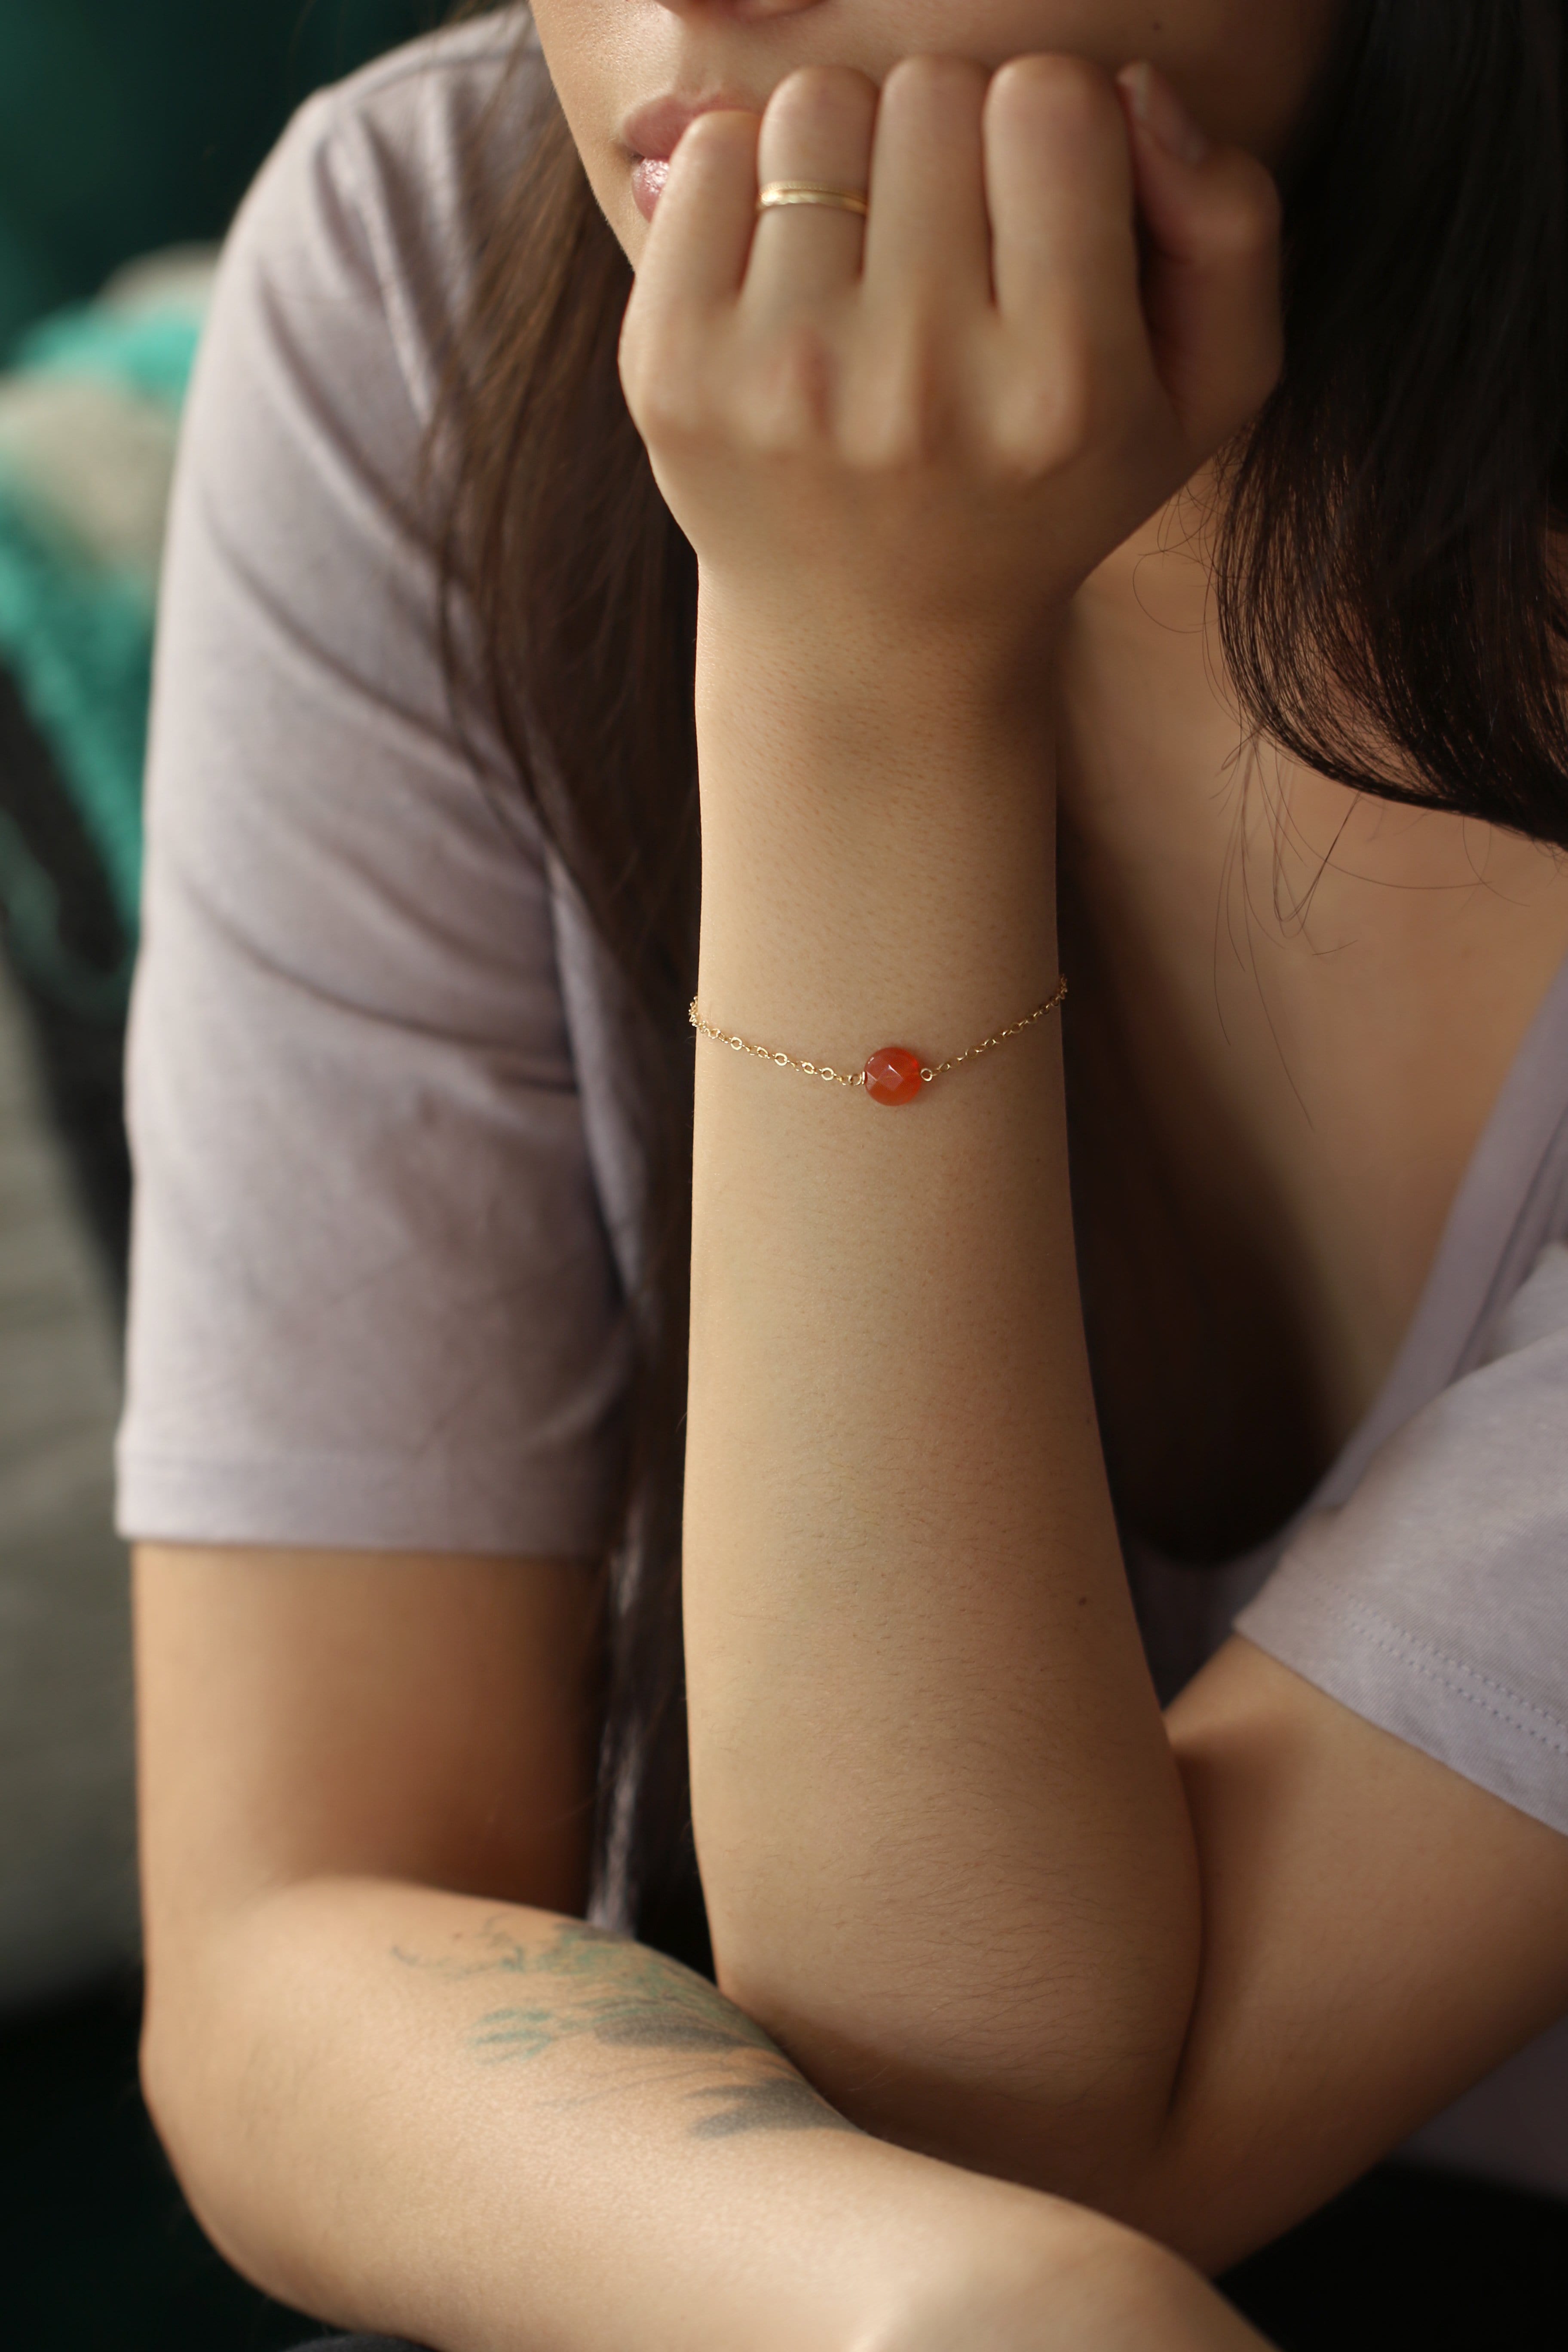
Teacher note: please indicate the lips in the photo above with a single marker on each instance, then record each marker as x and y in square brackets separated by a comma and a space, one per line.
[653, 132]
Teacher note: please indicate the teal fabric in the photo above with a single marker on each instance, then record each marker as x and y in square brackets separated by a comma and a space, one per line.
[147, 352]
[129, 125]
[77, 636]
[124, 130]
[79, 643]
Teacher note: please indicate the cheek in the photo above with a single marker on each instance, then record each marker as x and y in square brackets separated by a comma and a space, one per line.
[592, 65]
[1251, 68]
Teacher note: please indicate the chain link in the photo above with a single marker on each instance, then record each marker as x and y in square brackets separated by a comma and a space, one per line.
[1017, 1029]
[766, 1054]
[857, 1079]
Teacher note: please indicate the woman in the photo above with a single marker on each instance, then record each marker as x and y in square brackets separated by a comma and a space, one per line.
[1017, 517]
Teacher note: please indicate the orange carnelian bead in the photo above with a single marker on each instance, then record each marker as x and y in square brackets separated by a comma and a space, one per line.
[893, 1075]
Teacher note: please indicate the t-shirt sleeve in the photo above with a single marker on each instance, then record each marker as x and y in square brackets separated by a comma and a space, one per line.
[1434, 1600]
[372, 1303]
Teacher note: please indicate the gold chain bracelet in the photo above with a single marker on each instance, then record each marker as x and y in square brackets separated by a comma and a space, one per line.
[892, 1075]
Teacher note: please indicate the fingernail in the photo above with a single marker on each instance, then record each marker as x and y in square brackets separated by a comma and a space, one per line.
[1163, 116]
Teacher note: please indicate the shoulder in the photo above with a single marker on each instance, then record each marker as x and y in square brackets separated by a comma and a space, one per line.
[303, 739]
[383, 187]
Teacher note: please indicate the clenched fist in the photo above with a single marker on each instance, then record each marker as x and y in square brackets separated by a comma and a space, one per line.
[936, 420]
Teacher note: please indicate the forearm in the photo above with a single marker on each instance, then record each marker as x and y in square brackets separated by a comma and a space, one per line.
[484, 2128]
[946, 1856]
[490, 2130]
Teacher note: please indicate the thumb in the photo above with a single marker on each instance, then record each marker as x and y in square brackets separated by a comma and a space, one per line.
[1211, 287]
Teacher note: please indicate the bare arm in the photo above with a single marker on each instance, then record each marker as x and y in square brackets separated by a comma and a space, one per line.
[946, 1850]
[406, 2089]
[954, 1859]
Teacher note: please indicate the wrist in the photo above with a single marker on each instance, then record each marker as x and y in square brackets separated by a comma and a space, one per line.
[888, 2250]
[1048, 2273]
[1018, 2270]
[878, 841]
[880, 704]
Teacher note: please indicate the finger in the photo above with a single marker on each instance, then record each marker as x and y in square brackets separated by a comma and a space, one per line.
[691, 268]
[818, 130]
[1211, 290]
[929, 226]
[701, 238]
[1060, 187]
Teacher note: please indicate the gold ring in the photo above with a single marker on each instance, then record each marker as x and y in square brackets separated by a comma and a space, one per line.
[782, 196]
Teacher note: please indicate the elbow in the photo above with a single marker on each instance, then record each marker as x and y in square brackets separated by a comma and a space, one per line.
[172, 2065]
[159, 2076]
[194, 2097]
[177, 2089]
[1077, 2109]
[1039, 2041]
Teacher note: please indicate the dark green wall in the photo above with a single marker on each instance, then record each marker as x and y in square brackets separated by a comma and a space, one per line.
[130, 124]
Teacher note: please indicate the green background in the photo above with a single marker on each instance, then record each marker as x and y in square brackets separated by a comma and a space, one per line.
[127, 125]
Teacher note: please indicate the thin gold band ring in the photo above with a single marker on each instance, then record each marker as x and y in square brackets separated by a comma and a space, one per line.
[783, 195]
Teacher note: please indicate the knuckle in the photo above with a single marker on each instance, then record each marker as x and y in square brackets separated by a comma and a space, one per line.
[1048, 423]
[714, 144]
[788, 407]
[636, 362]
[818, 97]
[885, 443]
[933, 82]
[666, 374]
[668, 409]
[1067, 88]
[1245, 217]
[906, 420]
[1067, 414]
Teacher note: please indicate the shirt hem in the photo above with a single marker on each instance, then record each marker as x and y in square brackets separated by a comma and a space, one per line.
[350, 1503]
[1408, 1686]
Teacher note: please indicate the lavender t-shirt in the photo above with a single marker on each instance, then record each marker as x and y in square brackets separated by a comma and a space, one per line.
[387, 1188]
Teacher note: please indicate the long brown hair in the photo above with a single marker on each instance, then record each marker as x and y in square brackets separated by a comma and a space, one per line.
[1387, 584]
[584, 596]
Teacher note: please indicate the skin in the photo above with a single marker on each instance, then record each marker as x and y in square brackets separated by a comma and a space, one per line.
[1246, 71]
[954, 1859]
[1015, 1976]
[407, 2092]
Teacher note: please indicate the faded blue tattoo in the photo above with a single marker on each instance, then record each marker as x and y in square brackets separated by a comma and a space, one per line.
[586, 1982]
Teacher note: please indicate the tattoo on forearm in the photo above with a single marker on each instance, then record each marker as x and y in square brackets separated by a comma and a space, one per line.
[587, 1983]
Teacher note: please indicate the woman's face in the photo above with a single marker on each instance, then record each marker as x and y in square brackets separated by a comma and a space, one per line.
[631, 73]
